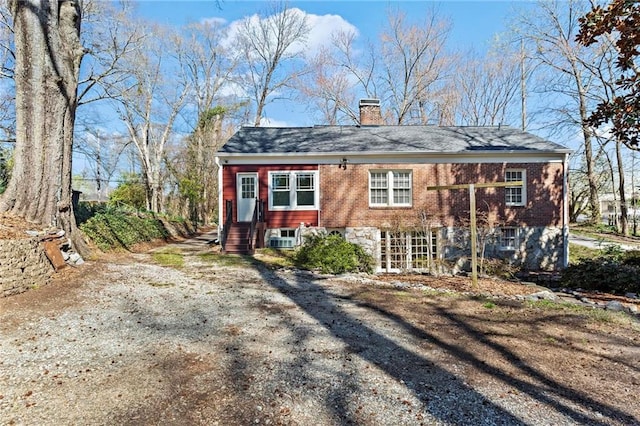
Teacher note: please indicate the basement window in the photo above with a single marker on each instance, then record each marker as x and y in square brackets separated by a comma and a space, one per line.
[509, 239]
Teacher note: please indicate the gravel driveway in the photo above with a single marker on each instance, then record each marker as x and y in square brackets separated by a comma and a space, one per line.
[132, 342]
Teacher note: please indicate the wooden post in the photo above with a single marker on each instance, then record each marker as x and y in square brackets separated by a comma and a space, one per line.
[474, 235]
[472, 215]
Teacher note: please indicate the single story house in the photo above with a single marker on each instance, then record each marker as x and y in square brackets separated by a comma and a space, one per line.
[381, 187]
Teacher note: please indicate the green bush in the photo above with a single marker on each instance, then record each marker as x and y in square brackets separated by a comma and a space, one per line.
[603, 274]
[332, 254]
[631, 257]
[6, 164]
[131, 192]
[86, 211]
[115, 228]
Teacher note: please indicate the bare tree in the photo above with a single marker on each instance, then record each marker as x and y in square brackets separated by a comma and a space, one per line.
[47, 53]
[549, 33]
[266, 45]
[149, 101]
[488, 88]
[604, 71]
[413, 67]
[109, 34]
[408, 68]
[338, 73]
[328, 89]
[208, 67]
[7, 107]
[103, 151]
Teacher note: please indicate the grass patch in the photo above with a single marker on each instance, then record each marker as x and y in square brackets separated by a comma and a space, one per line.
[276, 258]
[402, 294]
[431, 292]
[489, 305]
[596, 315]
[578, 252]
[231, 260]
[545, 304]
[173, 258]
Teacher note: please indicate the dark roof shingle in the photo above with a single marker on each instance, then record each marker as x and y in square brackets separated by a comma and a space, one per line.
[370, 139]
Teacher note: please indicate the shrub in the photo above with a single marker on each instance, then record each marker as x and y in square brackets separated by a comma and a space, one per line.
[6, 164]
[500, 268]
[86, 211]
[612, 252]
[114, 228]
[131, 192]
[603, 274]
[333, 254]
[631, 257]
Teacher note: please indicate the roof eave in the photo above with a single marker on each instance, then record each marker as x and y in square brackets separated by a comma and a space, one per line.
[366, 154]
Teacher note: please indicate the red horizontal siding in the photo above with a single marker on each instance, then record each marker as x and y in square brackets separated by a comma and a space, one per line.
[291, 219]
[274, 219]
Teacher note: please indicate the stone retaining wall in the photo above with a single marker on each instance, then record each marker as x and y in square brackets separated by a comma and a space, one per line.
[23, 265]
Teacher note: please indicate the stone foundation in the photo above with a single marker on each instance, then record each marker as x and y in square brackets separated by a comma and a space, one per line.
[540, 249]
[23, 265]
[366, 237]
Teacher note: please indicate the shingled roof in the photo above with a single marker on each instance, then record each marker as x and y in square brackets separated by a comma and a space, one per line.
[380, 139]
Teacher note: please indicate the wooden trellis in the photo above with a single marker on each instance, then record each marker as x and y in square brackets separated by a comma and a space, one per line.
[472, 213]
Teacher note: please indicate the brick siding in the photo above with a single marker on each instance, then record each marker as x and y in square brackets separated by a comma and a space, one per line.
[344, 196]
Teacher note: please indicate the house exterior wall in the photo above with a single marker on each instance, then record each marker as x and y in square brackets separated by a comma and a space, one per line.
[273, 219]
[344, 195]
[538, 249]
[344, 205]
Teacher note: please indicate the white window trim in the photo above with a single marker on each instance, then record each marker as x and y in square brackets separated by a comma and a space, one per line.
[524, 187]
[390, 197]
[292, 190]
[516, 243]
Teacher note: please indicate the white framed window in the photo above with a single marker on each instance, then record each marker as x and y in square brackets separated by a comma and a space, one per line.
[390, 188]
[509, 238]
[516, 195]
[293, 190]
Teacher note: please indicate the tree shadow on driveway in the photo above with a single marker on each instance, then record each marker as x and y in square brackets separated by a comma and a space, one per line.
[443, 395]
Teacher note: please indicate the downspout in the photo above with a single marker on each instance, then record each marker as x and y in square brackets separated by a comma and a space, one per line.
[220, 194]
[565, 210]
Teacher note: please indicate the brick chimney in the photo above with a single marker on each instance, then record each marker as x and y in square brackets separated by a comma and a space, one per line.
[370, 114]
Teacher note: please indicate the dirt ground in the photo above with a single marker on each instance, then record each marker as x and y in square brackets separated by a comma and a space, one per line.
[227, 340]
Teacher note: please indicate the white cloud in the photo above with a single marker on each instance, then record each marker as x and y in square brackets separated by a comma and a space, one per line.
[321, 29]
[213, 21]
[270, 122]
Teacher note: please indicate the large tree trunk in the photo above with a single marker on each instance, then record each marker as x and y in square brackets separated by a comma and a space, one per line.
[594, 201]
[47, 63]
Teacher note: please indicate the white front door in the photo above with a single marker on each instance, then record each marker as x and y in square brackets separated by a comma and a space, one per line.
[247, 191]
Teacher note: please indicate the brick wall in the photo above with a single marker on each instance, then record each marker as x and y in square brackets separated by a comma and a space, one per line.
[344, 195]
[23, 265]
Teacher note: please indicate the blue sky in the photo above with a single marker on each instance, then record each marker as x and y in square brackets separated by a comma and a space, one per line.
[475, 23]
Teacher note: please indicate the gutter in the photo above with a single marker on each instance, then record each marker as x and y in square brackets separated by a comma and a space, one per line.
[565, 210]
[422, 157]
[220, 192]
